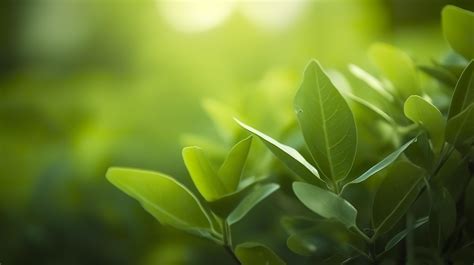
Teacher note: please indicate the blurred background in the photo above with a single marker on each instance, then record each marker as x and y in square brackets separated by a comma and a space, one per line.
[88, 84]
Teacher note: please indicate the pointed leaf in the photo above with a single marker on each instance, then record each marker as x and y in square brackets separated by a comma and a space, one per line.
[250, 253]
[460, 128]
[288, 155]
[252, 199]
[326, 203]
[231, 170]
[458, 28]
[388, 160]
[464, 92]
[204, 176]
[429, 117]
[439, 73]
[370, 80]
[397, 67]
[395, 195]
[372, 108]
[402, 234]
[162, 196]
[327, 123]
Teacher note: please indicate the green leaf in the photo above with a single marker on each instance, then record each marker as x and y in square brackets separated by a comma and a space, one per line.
[204, 176]
[464, 92]
[442, 216]
[326, 203]
[397, 67]
[250, 253]
[429, 117]
[420, 153]
[370, 80]
[327, 123]
[395, 195]
[460, 128]
[388, 160]
[458, 28]
[163, 197]
[441, 74]
[252, 199]
[288, 155]
[469, 206]
[402, 234]
[231, 170]
[372, 108]
[221, 115]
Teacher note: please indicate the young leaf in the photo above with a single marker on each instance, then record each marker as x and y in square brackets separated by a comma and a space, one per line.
[429, 117]
[327, 123]
[395, 195]
[204, 176]
[460, 128]
[388, 160]
[397, 67]
[231, 170]
[288, 155]
[250, 253]
[464, 92]
[372, 108]
[458, 28]
[326, 203]
[163, 197]
[252, 199]
[402, 234]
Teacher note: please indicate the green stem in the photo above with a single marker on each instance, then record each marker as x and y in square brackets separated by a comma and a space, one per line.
[228, 242]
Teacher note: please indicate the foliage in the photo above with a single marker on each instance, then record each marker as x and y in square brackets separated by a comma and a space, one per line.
[419, 194]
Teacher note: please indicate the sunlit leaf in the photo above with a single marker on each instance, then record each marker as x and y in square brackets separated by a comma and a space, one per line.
[370, 80]
[402, 234]
[458, 28]
[221, 114]
[231, 170]
[429, 117]
[372, 108]
[327, 123]
[250, 253]
[388, 160]
[162, 196]
[464, 92]
[397, 67]
[250, 201]
[325, 203]
[204, 176]
[396, 193]
[288, 155]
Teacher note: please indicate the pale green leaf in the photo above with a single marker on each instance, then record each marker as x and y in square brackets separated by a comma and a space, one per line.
[250, 201]
[464, 92]
[388, 160]
[203, 175]
[372, 108]
[250, 253]
[427, 116]
[221, 114]
[371, 81]
[288, 155]
[163, 197]
[395, 195]
[325, 203]
[327, 123]
[231, 170]
[397, 67]
[458, 28]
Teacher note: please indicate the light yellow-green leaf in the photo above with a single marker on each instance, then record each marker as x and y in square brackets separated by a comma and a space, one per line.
[250, 253]
[458, 28]
[231, 170]
[397, 67]
[205, 178]
[427, 116]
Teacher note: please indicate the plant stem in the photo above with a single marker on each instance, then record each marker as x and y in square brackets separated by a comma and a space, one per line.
[228, 242]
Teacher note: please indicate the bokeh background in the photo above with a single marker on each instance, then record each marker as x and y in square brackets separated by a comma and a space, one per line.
[88, 84]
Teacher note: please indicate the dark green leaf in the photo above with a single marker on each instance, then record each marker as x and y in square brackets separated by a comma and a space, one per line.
[444, 76]
[442, 216]
[250, 253]
[401, 235]
[326, 203]
[395, 195]
[460, 128]
[327, 123]
[464, 92]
